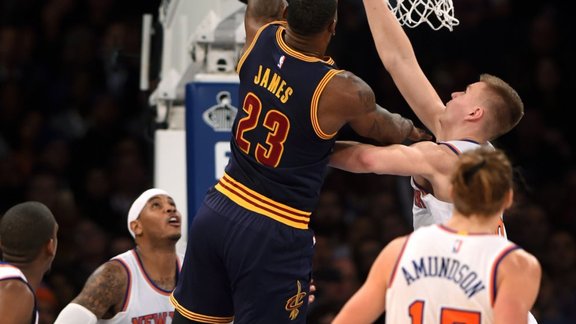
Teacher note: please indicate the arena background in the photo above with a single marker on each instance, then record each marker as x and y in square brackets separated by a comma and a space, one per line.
[76, 133]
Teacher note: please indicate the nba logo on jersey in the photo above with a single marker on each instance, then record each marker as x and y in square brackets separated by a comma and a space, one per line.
[456, 246]
[281, 61]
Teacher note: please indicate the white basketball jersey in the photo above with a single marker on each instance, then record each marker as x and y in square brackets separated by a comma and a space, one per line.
[145, 302]
[450, 281]
[10, 272]
[427, 209]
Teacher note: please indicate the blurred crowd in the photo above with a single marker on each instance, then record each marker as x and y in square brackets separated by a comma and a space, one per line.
[76, 133]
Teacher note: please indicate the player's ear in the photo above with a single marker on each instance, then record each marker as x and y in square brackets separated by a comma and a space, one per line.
[332, 27]
[509, 200]
[52, 244]
[136, 227]
[51, 247]
[476, 113]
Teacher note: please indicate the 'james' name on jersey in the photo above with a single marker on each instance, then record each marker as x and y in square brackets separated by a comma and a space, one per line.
[275, 84]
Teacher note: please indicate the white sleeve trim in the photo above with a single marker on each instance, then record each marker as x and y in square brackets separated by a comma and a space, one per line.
[75, 313]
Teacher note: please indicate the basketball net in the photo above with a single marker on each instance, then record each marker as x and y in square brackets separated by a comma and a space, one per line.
[436, 13]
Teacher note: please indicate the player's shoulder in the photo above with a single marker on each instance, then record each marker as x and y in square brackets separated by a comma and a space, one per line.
[521, 258]
[112, 273]
[348, 90]
[349, 81]
[16, 289]
[520, 262]
[16, 299]
[106, 287]
[394, 248]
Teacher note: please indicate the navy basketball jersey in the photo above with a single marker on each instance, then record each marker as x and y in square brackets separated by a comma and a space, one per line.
[278, 147]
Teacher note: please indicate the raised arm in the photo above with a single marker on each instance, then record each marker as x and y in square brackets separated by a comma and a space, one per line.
[397, 55]
[259, 13]
[102, 295]
[518, 283]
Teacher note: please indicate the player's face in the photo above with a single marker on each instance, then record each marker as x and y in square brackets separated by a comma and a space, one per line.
[161, 219]
[463, 102]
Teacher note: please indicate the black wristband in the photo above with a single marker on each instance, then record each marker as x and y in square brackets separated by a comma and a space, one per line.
[244, 1]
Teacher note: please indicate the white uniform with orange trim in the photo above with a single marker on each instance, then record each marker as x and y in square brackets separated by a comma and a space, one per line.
[145, 302]
[10, 272]
[427, 209]
[450, 281]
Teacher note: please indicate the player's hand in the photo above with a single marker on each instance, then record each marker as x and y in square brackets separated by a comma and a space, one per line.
[419, 134]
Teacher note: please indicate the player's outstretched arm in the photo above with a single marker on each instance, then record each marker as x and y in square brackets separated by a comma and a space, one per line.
[518, 284]
[348, 99]
[103, 294]
[401, 160]
[397, 55]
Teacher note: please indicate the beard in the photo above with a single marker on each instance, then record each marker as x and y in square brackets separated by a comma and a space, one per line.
[175, 237]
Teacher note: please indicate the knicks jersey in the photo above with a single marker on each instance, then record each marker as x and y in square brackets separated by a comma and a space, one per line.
[427, 209]
[10, 272]
[145, 302]
[450, 281]
[278, 148]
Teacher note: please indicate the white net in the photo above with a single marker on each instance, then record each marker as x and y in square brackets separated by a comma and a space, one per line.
[436, 13]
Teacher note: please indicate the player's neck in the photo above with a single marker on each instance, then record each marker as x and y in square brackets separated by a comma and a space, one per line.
[473, 223]
[308, 45]
[157, 260]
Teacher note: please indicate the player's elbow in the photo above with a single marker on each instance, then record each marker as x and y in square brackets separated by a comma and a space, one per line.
[366, 162]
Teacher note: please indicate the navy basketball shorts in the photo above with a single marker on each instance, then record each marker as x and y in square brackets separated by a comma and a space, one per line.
[243, 266]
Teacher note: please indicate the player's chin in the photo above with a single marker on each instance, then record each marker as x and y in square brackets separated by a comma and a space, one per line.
[175, 237]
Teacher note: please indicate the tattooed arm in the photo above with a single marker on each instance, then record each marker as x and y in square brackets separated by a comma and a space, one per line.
[102, 295]
[348, 99]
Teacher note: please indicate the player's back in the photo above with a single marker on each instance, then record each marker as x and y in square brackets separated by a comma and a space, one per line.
[278, 148]
[445, 277]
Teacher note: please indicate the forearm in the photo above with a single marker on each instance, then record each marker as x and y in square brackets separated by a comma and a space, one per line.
[391, 41]
[390, 128]
[397, 55]
[347, 156]
[267, 10]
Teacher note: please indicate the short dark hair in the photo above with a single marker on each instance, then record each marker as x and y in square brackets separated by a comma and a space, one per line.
[24, 229]
[309, 17]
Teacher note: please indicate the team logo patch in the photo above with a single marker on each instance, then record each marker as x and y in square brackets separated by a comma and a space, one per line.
[295, 302]
[220, 117]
